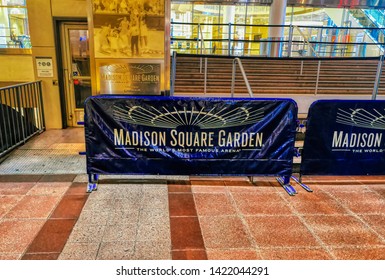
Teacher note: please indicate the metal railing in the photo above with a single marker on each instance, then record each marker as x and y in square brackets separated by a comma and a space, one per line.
[173, 73]
[378, 77]
[306, 41]
[21, 114]
[201, 39]
[312, 76]
[327, 41]
[245, 79]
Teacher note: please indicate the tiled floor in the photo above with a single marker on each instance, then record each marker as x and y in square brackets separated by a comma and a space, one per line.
[50, 216]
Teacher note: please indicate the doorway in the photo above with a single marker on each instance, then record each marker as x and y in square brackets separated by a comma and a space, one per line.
[75, 70]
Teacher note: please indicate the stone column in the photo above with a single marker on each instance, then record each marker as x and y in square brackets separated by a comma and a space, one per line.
[277, 17]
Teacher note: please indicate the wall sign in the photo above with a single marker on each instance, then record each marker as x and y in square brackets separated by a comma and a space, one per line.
[130, 78]
[44, 67]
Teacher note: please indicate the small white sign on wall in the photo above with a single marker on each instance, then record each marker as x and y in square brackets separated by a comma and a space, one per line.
[44, 67]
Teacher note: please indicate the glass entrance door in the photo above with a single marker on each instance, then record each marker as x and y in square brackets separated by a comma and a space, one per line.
[76, 70]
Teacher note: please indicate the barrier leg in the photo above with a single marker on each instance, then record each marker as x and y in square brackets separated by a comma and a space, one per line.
[298, 181]
[285, 183]
[92, 182]
[251, 179]
[96, 179]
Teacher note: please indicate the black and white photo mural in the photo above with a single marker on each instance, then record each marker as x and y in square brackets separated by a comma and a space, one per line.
[128, 29]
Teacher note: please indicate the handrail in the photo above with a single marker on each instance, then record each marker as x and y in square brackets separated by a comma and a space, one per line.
[331, 45]
[378, 77]
[202, 39]
[280, 58]
[306, 40]
[235, 61]
[173, 73]
[274, 25]
[282, 41]
[312, 83]
[16, 84]
[202, 44]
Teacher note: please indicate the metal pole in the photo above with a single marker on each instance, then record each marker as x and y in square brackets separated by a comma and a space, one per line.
[301, 68]
[12, 116]
[200, 36]
[1, 130]
[290, 41]
[173, 73]
[237, 60]
[41, 117]
[289, 47]
[34, 106]
[318, 73]
[23, 112]
[197, 39]
[205, 85]
[14, 96]
[233, 78]
[20, 109]
[229, 40]
[41, 104]
[244, 32]
[4, 118]
[378, 77]
[8, 118]
[27, 110]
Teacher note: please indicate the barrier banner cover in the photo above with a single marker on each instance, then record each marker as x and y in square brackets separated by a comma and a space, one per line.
[182, 136]
[345, 137]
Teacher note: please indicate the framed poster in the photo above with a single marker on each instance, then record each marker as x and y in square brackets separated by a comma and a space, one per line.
[128, 29]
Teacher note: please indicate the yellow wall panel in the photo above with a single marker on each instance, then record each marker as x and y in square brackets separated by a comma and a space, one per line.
[43, 45]
[51, 94]
[40, 23]
[69, 8]
[16, 68]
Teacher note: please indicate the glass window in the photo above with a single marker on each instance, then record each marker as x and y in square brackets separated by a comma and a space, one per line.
[14, 32]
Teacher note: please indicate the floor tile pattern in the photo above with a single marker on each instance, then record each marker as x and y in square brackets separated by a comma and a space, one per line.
[122, 221]
[52, 152]
[28, 226]
[47, 214]
[186, 235]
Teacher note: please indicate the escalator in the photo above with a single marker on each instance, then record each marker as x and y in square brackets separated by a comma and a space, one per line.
[377, 16]
[371, 19]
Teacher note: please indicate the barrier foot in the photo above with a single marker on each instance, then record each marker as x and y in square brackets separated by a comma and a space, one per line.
[91, 187]
[251, 179]
[288, 188]
[92, 182]
[301, 184]
[95, 180]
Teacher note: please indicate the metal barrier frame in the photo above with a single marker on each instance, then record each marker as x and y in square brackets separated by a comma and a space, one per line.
[21, 114]
[96, 127]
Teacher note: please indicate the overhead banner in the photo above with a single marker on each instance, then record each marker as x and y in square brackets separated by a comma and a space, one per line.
[186, 136]
[345, 138]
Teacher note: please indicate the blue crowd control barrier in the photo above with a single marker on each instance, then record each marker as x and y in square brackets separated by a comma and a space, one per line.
[189, 136]
[344, 137]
